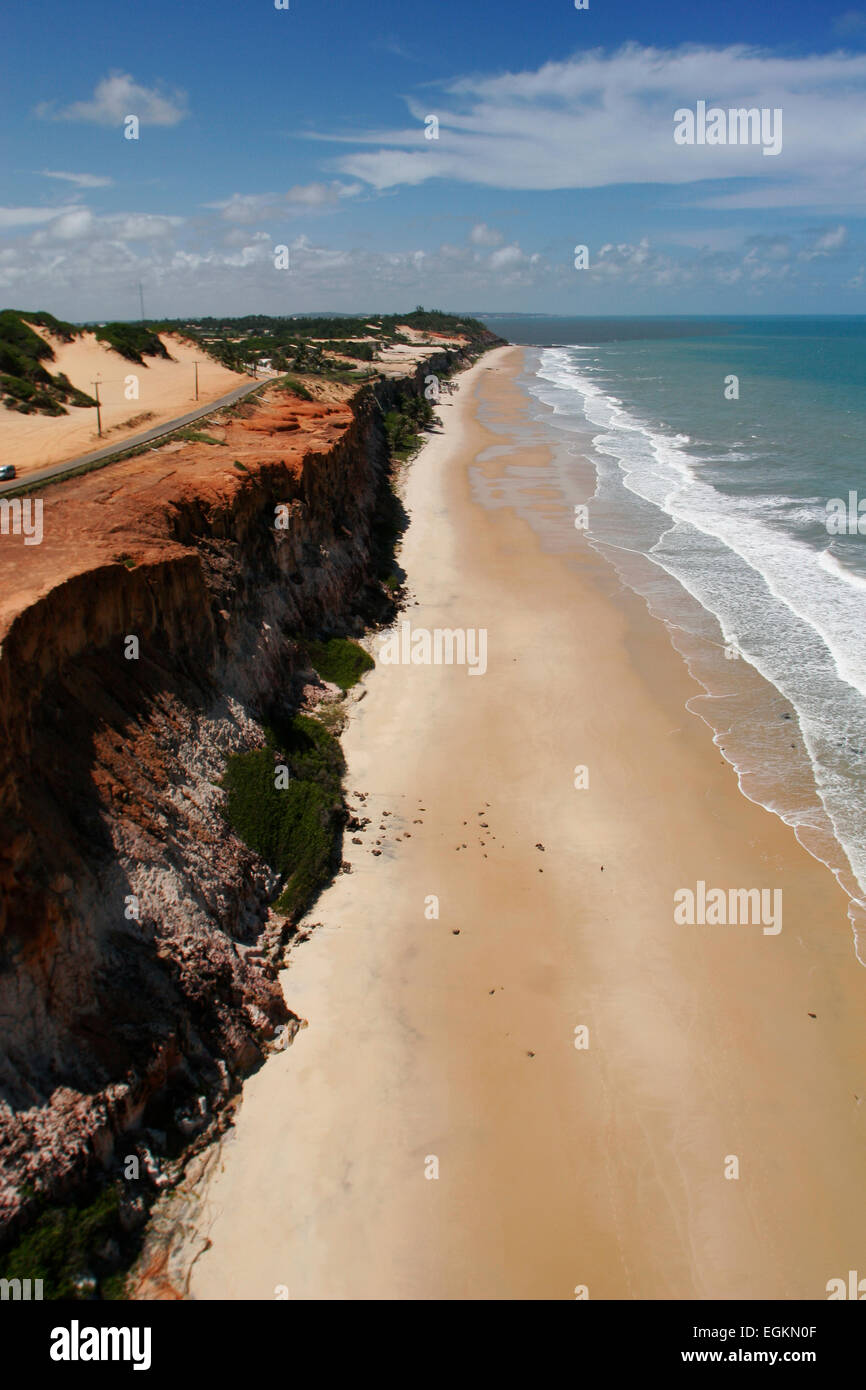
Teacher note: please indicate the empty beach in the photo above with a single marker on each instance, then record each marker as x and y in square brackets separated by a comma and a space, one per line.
[521, 1077]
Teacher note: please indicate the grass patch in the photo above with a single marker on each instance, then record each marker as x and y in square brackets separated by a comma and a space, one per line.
[294, 828]
[296, 388]
[241, 466]
[64, 1243]
[347, 377]
[340, 661]
[196, 437]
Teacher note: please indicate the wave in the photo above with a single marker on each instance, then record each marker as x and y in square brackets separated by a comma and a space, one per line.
[787, 604]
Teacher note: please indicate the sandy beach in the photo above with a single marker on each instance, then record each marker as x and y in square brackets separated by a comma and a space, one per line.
[599, 1168]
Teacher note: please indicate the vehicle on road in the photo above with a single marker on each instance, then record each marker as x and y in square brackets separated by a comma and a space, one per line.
[7, 470]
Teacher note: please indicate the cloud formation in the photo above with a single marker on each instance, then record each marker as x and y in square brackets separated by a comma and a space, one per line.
[600, 119]
[118, 96]
[248, 208]
[80, 180]
[482, 235]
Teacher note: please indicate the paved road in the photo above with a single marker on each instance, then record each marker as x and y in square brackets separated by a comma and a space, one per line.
[57, 470]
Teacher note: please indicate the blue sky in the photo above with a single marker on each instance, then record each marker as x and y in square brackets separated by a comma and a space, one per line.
[306, 128]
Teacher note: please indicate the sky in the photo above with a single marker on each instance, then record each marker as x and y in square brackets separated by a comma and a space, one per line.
[309, 128]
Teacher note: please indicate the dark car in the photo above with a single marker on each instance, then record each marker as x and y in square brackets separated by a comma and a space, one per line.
[7, 470]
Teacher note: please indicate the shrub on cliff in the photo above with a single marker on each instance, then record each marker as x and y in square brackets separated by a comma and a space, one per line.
[403, 424]
[296, 388]
[63, 1243]
[294, 828]
[340, 661]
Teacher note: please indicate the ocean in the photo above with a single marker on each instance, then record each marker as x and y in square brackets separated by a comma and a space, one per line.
[716, 446]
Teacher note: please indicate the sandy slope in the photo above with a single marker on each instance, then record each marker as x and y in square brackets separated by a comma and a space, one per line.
[454, 1037]
[165, 390]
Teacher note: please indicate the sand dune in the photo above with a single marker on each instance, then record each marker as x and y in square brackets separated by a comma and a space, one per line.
[165, 390]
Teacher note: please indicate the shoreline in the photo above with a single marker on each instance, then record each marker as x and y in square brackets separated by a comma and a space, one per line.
[558, 1168]
[735, 695]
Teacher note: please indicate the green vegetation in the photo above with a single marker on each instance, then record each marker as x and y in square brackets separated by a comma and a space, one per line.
[296, 388]
[241, 466]
[305, 345]
[361, 352]
[404, 423]
[294, 828]
[302, 344]
[346, 374]
[191, 436]
[58, 327]
[340, 661]
[25, 384]
[64, 1243]
[134, 341]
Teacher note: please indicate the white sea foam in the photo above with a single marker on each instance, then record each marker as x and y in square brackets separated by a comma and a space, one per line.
[792, 608]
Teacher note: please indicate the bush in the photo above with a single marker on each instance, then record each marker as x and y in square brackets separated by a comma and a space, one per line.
[297, 388]
[63, 1243]
[340, 661]
[132, 340]
[196, 437]
[20, 389]
[294, 829]
[24, 378]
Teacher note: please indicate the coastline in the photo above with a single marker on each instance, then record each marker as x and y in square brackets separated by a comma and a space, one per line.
[558, 1167]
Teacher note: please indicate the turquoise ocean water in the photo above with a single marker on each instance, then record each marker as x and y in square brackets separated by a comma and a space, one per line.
[713, 506]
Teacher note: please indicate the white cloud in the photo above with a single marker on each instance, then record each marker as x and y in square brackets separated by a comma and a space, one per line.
[139, 226]
[599, 119]
[507, 258]
[118, 96]
[11, 218]
[83, 265]
[826, 243]
[316, 195]
[80, 180]
[482, 235]
[246, 208]
[79, 223]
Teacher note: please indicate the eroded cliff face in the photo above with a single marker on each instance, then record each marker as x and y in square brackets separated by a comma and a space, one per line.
[109, 769]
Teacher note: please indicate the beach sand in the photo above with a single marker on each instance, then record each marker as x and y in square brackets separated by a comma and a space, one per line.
[166, 390]
[558, 1168]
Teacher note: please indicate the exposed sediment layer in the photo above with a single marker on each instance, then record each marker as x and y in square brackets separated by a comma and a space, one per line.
[109, 764]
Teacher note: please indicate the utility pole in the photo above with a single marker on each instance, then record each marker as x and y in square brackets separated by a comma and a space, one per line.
[141, 300]
[98, 410]
[195, 364]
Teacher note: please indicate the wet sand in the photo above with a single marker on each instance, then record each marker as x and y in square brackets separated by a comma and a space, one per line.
[454, 1038]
